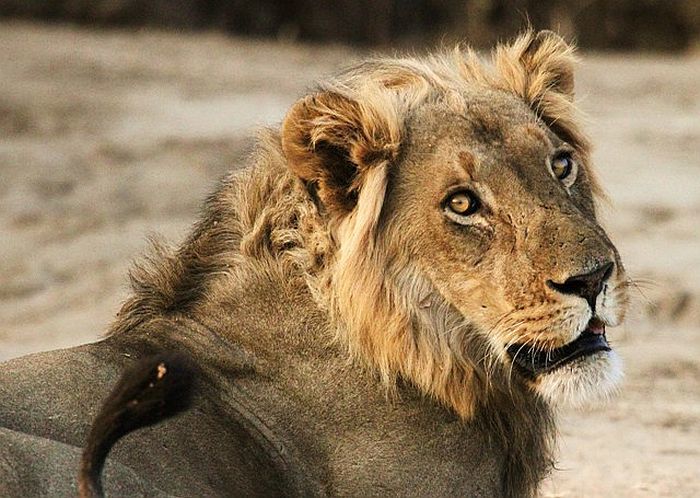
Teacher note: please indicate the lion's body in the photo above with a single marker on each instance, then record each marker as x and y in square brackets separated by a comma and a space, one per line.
[284, 409]
[338, 354]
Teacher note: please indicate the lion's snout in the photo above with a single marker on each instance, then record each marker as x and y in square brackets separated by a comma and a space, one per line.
[586, 285]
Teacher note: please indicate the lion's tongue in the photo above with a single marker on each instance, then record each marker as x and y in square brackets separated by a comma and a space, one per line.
[596, 326]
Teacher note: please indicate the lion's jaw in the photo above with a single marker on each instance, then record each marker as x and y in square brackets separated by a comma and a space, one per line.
[595, 371]
[586, 380]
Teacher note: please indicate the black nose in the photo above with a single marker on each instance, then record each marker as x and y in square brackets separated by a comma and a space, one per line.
[587, 285]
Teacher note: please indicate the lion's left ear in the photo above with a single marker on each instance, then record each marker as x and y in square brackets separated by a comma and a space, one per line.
[332, 141]
[539, 68]
[537, 63]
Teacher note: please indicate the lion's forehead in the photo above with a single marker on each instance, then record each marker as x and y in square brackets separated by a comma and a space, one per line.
[486, 129]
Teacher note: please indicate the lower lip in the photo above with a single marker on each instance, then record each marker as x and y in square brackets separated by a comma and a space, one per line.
[539, 361]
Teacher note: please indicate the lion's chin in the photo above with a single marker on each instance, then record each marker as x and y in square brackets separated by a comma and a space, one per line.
[585, 381]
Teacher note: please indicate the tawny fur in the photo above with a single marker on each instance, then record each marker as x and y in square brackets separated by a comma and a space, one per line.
[296, 218]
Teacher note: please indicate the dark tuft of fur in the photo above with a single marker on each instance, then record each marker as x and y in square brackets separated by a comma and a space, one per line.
[168, 280]
[522, 428]
[154, 389]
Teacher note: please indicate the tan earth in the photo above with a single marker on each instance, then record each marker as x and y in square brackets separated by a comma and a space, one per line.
[107, 137]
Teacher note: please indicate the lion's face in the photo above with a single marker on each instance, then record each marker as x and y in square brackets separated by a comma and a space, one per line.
[497, 212]
[460, 201]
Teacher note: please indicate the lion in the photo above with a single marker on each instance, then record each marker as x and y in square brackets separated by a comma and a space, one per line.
[393, 297]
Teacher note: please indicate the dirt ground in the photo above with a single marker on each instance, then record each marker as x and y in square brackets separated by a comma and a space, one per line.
[107, 137]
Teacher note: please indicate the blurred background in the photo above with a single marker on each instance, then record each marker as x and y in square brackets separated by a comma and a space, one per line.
[601, 24]
[117, 117]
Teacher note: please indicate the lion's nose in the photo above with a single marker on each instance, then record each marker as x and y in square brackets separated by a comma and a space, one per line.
[587, 285]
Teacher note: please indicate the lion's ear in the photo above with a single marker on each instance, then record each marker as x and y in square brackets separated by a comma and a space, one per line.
[549, 62]
[331, 141]
[537, 63]
[539, 68]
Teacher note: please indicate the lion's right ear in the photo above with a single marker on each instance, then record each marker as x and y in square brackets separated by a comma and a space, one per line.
[332, 141]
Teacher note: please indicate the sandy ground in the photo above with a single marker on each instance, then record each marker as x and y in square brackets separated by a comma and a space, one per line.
[106, 138]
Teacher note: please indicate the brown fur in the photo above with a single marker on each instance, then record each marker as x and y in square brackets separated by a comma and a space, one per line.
[341, 199]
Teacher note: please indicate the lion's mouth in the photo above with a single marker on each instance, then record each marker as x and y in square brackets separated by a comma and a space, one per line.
[534, 361]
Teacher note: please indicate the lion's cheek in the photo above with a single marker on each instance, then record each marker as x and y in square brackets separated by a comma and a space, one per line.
[478, 300]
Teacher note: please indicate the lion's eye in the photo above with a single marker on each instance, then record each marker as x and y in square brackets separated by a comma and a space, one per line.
[562, 166]
[463, 203]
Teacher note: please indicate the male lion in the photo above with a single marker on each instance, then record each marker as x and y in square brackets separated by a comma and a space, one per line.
[389, 300]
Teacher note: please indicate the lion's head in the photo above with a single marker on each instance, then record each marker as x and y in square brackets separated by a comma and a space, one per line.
[458, 197]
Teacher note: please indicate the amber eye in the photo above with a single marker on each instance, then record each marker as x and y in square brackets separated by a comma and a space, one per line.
[463, 203]
[562, 165]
